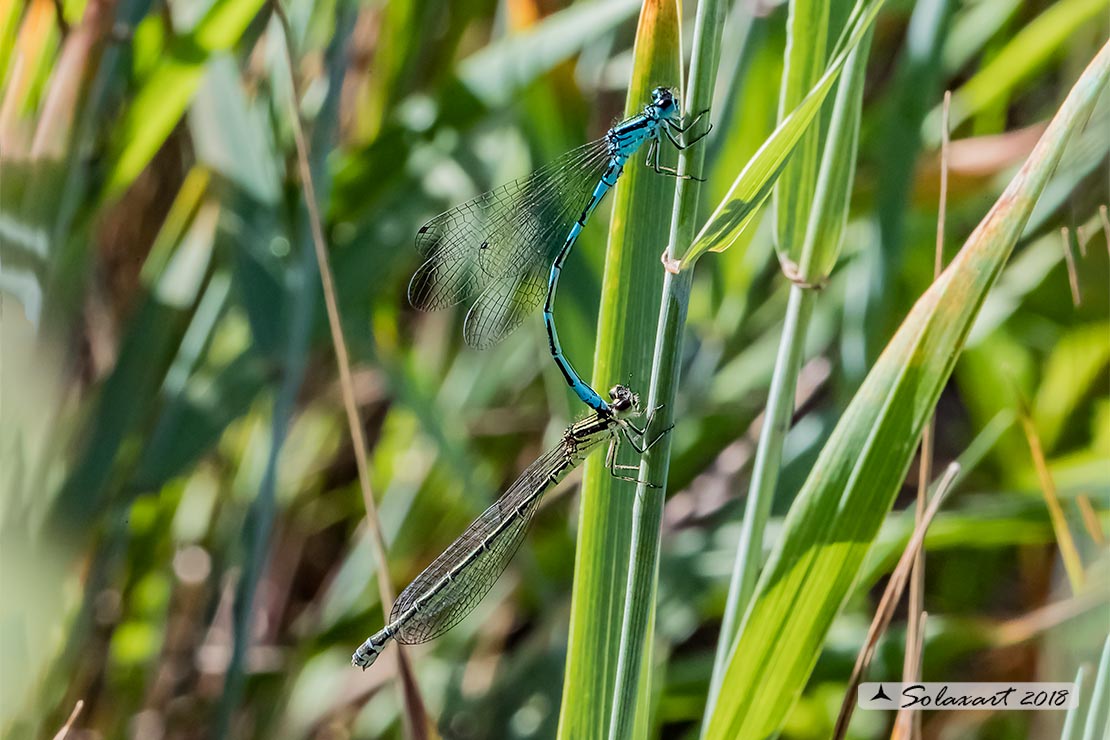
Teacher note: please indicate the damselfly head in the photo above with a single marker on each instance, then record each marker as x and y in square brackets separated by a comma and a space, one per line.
[665, 102]
[623, 400]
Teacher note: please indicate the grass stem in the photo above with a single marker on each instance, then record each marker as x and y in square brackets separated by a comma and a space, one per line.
[765, 474]
[643, 567]
[416, 715]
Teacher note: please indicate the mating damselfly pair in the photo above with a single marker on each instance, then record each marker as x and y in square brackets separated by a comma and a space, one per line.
[494, 250]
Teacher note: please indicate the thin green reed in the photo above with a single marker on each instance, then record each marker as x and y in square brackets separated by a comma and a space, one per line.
[633, 685]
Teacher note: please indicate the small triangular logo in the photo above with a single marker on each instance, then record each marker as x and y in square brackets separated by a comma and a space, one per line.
[880, 694]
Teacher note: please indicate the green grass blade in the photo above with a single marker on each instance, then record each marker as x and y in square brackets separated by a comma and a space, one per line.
[9, 28]
[1073, 723]
[919, 74]
[165, 95]
[498, 72]
[844, 500]
[629, 300]
[1023, 55]
[755, 182]
[1098, 713]
[829, 213]
[806, 31]
[973, 26]
[130, 395]
[1074, 369]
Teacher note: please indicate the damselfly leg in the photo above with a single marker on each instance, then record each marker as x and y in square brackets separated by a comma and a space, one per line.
[612, 465]
[670, 126]
[653, 161]
[676, 126]
[628, 429]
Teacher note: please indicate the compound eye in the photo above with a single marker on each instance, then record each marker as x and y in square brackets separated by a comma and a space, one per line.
[623, 399]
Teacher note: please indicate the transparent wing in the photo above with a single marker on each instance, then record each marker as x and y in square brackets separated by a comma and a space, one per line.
[504, 305]
[486, 547]
[497, 248]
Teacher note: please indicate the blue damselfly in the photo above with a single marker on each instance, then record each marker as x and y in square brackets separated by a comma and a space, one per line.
[495, 249]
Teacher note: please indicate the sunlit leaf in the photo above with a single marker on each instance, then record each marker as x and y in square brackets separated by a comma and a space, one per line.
[853, 483]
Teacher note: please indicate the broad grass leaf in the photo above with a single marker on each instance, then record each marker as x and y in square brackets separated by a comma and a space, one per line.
[626, 325]
[840, 508]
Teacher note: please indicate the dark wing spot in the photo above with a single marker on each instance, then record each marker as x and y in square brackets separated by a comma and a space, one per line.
[483, 245]
[423, 229]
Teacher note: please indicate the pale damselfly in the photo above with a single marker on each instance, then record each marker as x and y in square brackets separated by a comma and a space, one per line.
[494, 249]
[448, 589]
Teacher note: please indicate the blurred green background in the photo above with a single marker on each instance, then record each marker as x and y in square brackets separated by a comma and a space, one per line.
[171, 418]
